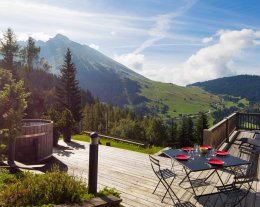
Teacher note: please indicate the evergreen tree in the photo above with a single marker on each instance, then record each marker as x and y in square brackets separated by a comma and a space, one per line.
[191, 131]
[185, 133]
[156, 132]
[9, 49]
[173, 134]
[12, 106]
[68, 91]
[202, 123]
[29, 54]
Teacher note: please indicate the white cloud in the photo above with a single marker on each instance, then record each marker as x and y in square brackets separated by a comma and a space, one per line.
[131, 60]
[96, 47]
[37, 36]
[113, 33]
[162, 24]
[135, 60]
[218, 59]
[207, 40]
[213, 61]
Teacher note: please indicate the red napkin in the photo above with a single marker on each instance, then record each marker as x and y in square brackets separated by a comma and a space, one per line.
[216, 162]
[187, 148]
[219, 152]
[206, 146]
[182, 157]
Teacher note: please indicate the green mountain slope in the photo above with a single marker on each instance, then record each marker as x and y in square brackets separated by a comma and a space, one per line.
[245, 86]
[176, 100]
[118, 85]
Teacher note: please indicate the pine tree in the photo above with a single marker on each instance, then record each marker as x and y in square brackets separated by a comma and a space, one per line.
[12, 107]
[29, 54]
[9, 49]
[68, 91]
[191, 131]
[202, 123]
[173, 131]
[186, 132]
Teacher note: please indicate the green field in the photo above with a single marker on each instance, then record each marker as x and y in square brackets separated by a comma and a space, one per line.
[169, 100]
[120, 145]
[180, 100]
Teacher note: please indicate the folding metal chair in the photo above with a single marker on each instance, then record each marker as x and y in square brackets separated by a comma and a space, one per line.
[248, 144]
[241, 185]
[163, 175]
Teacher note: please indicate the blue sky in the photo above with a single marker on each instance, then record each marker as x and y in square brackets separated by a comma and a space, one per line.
[178, 41]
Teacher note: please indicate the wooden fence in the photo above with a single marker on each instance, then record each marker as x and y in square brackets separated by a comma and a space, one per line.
[249, 121]
[221, 132]
[120, 140]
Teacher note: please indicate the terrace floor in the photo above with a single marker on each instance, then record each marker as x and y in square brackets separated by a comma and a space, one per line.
[131, 174]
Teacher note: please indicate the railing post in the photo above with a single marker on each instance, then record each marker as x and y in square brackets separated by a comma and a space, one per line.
[237, 120]
[207, 139]
[93, 163]
[227, 130]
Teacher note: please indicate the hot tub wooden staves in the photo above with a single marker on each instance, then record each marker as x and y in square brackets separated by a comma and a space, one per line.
[35, 144]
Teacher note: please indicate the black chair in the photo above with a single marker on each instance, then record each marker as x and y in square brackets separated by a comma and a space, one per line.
[241, 185]
[163, 175]
[249, 144]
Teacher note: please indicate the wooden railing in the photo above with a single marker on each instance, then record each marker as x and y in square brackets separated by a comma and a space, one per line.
[221, 132]
[248, 121]
[127, 141]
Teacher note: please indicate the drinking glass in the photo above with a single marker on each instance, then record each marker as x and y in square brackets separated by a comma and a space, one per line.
[208, 155]
[191, 154]
[213, 152]
[196, 149]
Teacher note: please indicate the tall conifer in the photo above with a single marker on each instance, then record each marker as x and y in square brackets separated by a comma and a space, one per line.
[8, 49]
[68, 91]
[29, 53]
[202, 123]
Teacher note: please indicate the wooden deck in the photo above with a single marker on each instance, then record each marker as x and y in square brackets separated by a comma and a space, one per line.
[131, 174]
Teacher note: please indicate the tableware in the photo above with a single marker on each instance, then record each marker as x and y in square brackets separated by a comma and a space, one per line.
[206, 146]
[204, 149]
[187, 148]
[182, 157]
[207, 155]
[197, 150]
[215, 162]
[221, 153]
[212, 152]
[191, 154]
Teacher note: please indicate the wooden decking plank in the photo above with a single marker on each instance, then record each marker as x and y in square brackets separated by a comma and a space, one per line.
[131, 173]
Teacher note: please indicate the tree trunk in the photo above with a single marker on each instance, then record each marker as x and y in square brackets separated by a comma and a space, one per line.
[67, 134]
[11, 153]
[56, 136]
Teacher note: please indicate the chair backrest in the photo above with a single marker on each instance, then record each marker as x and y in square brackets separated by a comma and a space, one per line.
[251, 172]
[155, 163]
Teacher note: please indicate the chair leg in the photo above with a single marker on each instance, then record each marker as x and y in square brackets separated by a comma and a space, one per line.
[175, 197]
[186, 176]
[239, 200]
[160, 180]
[168, 189]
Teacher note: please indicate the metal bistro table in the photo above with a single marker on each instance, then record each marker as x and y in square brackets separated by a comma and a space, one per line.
[200, 163]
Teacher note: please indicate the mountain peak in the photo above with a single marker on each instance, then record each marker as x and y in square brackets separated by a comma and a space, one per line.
[61, 37]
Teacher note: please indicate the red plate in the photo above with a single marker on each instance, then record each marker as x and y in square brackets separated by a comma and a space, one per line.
[187, 148]
[216, 162]
[206, 146]
[182, 157]
[223, 153]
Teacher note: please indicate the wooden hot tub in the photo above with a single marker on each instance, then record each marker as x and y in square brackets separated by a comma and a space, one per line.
[36, 141]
